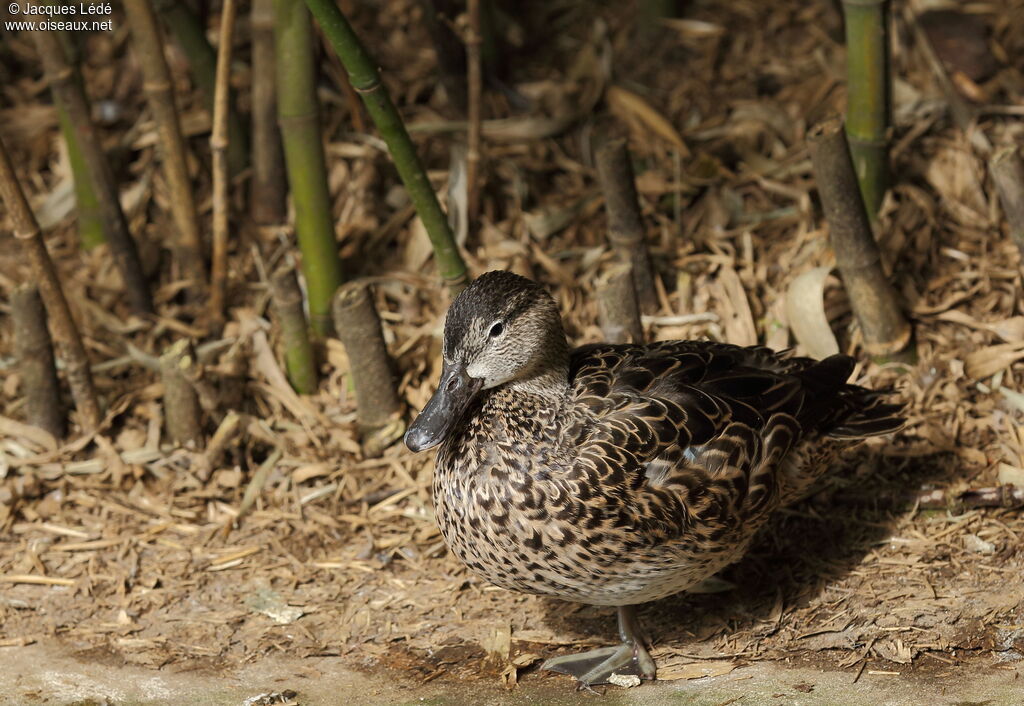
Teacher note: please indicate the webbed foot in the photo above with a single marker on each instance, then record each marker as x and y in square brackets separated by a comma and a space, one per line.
[597, 666]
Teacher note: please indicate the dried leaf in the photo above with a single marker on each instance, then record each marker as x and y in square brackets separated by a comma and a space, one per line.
[1015, 398]
[417, 248]
[1010, 330]
[271, 604]
[693, 28]
[1010, 475]
[805, 311]
[986, 362]
[310, 471]
[633, 106]
[626, 681]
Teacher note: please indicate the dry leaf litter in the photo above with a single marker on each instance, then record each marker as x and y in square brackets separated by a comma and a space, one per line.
[120, 544]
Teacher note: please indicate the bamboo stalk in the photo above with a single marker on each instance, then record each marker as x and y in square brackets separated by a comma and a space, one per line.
[473, 115]
[869, 91]
[157, 86]
[60, 76]
[625, 224]
[1008, 174]
[267, 198]
[298, 352]
[618, 312]
[365, 79]
[439, 18]
[964, 114]
[89, 217]
[298, 115]
[34, 353]
[190, 35]
[65, 332]
[219, 143]
[378, 407]
[181, 404]
[87, 206]
[886, 330]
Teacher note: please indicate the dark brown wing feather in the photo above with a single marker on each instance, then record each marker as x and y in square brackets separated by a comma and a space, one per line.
[691, 435]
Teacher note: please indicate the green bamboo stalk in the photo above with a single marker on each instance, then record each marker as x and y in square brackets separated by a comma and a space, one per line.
[68, 92]
[190, 35]
[87, 206]
[365, 79]
[868, 96]
[299, 118]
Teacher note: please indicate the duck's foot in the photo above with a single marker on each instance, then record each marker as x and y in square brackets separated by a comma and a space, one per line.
[597, 666]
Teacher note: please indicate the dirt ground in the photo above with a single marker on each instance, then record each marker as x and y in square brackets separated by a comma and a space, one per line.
[121, 563]
[49, 674]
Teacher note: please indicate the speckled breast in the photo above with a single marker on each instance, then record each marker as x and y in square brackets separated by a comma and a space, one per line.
[524, 530]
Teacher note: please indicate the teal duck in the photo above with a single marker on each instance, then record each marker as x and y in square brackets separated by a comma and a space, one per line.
[616, 474]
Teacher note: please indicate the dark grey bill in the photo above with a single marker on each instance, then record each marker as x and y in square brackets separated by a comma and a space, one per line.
[444, 410]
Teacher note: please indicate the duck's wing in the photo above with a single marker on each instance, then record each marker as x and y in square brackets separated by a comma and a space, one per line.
[691, 436]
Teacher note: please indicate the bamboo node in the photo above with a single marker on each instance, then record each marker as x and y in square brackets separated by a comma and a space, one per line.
[368, 88]
[156, 86]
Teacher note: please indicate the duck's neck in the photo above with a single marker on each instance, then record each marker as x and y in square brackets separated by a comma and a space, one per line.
[549, 382]
[549, 377]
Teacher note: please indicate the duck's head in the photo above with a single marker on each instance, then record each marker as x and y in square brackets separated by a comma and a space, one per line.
[501, 329]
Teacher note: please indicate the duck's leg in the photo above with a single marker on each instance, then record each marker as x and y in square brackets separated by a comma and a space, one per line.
[594, 667]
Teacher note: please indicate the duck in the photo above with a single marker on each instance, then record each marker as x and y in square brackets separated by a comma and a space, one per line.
[618, 474]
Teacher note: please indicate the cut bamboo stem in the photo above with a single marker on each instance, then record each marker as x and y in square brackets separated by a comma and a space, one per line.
[885, 329]
[65, 332]
[87, 206]
[69, 92]
[34, 353]
[868, 96]
[190, 35]
[300, 362]
[362, 71]
[181, 403]
[378, 407]
[219, 142]
[156, 84]
[1008, 174]
[267, 196]
[473, 115]
[298, 115]
[625, 223]
[618, 312]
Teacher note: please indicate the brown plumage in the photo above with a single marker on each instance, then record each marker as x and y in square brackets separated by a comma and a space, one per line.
[619, 474]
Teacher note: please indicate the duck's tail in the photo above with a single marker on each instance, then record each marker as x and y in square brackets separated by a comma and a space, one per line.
[844, 411]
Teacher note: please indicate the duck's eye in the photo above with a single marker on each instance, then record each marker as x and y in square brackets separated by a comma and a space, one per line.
[496, 330]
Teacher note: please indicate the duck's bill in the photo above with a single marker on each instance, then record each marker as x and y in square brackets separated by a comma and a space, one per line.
[454, 394]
